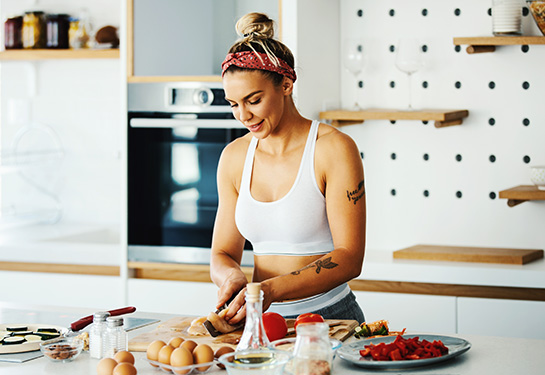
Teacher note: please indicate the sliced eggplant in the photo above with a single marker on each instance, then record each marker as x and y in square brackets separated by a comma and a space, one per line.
[47, 335]
[17, 329]
[47, 330]
[14, 340]
[33, 338]
[21, 333]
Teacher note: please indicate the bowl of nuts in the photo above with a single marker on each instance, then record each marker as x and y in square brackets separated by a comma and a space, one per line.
[63, 349]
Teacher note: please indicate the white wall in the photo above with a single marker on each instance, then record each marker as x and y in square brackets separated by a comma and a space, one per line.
[80, 100]
[409, 218]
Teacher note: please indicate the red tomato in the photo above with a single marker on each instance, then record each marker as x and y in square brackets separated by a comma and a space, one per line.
[308, 318]
[275, 326]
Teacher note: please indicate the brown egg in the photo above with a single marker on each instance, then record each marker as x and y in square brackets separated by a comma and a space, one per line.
[125, 368]
[181, 357]
[175, 342]
[221, 351]
[164, 355]
[124, 356]
[189, 345]
[106, 366]
[152, 352]
[203, 354]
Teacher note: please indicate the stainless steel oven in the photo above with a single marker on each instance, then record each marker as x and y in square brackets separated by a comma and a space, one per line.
[176, 133]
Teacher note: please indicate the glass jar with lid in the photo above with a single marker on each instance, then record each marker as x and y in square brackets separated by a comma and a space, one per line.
[312, 351]
[57, 26]
[13, 29]
[34, 29]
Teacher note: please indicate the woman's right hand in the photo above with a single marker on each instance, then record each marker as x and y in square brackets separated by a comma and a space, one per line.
[231, 287]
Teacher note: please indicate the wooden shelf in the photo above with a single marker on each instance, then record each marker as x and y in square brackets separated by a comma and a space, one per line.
[46, 54]
[441, 117]
[522, 193]
[480, 44]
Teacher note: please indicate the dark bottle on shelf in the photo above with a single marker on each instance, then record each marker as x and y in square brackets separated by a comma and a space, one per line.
[13, 33]
[57, 26]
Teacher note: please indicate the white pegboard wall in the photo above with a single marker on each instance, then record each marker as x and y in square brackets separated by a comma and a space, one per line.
[465, 166]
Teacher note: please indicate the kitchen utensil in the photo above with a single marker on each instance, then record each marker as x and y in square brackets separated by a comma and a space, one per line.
[210, 327]
[63, 349]
[351, 352]
[537, 175]
[85, 321]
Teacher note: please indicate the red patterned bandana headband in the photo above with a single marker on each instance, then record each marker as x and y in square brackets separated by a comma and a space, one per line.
[257, 60]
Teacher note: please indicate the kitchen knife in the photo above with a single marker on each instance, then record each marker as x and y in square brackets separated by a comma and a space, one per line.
[84, 322]
[210, 327]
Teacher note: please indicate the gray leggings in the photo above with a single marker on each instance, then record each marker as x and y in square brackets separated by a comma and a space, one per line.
[346, 309]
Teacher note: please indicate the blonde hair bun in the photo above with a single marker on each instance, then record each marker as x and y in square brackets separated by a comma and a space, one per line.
[255, 26]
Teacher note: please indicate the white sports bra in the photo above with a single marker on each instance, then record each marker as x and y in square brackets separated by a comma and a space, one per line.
[296, 224]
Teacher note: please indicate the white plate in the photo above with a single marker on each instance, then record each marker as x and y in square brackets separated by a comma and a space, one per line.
[351, 352]
[29, 345]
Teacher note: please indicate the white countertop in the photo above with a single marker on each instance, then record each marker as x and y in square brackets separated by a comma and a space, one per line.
[488, 355]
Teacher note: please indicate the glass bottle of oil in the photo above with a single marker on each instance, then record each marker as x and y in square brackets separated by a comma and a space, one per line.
[254, 346]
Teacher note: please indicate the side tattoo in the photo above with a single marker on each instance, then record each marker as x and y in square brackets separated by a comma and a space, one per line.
[319, 264]
[357, 194]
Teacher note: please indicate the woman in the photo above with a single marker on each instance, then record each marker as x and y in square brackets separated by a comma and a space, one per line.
[291, 186]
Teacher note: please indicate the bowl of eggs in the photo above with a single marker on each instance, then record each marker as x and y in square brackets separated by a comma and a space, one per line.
[182, 357]
[122, 363]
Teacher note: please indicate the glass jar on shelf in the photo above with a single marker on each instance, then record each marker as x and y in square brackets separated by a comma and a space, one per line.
[34, 30]
[13, 30]
[57, 26]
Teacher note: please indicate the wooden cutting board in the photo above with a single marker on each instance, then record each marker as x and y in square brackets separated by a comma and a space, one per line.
[177, 327]
[469, 254]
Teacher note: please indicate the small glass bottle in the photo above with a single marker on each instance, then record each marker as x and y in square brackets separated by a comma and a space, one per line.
[97, 334]
[253, 339]
[312, 351]
[116, 336]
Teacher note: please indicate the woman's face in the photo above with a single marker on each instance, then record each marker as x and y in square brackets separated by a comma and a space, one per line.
[256, 102]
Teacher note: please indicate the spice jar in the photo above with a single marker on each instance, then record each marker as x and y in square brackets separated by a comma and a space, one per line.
[312, 351]
[116, 336]
[33, 30]
[97, 335]
[57, 26]
[13, 28]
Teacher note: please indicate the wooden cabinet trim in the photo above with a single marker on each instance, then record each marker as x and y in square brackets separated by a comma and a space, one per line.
[201, 273]
[79, 269]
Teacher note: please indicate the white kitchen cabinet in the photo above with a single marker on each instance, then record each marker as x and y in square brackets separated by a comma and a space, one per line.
[415, 312]
[54, 289]
[500, 317]
[173, 297]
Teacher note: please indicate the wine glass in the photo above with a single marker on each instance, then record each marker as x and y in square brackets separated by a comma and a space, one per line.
[353, 61]
[409, 59]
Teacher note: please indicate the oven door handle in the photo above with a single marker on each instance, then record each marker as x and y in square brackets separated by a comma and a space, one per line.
[154, 123]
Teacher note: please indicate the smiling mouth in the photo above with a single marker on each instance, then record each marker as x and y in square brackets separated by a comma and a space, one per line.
[256, 125]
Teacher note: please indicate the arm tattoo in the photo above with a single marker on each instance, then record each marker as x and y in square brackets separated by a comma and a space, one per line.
[319, 264]
[357, 194]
